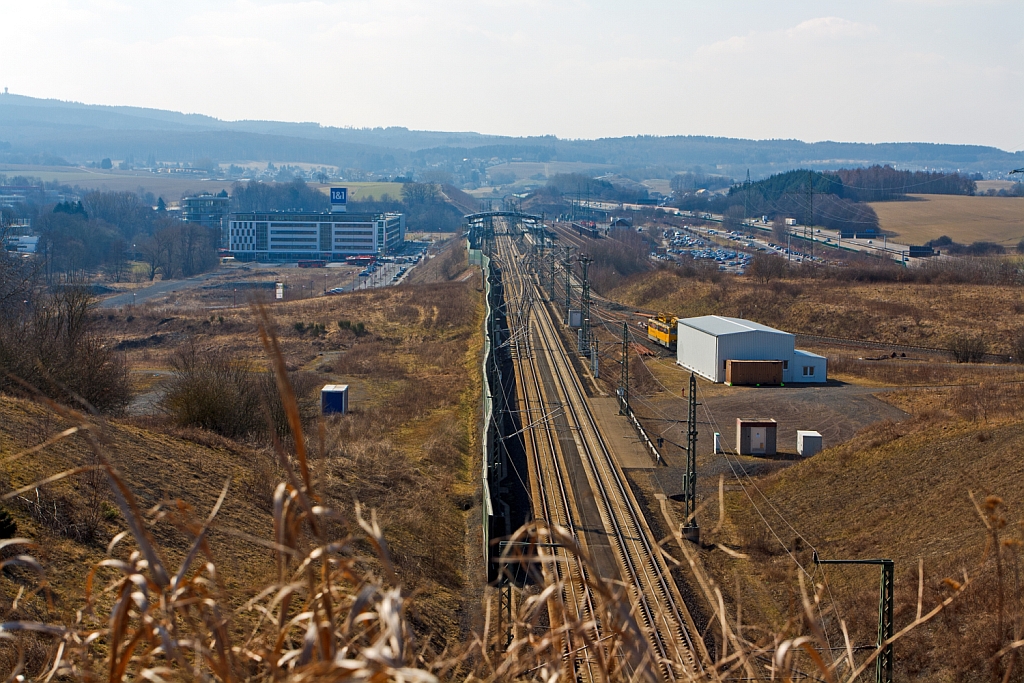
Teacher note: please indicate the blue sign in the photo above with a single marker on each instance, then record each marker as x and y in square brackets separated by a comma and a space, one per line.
[339, 195]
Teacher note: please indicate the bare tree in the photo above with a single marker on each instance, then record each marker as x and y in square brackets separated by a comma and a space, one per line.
[766, 267]
[733, 217]
[149, 249]
[421, 193]
[780, 231]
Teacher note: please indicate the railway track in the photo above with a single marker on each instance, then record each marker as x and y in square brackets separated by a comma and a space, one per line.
[547, 379]
[607, 313]
[551, 499]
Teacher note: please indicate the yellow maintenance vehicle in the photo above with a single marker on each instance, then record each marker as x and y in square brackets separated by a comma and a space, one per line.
[662, 330]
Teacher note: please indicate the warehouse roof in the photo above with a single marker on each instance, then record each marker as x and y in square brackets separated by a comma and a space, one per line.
[718, 326]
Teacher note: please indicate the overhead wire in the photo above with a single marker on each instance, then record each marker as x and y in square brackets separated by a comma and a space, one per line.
[712, 421]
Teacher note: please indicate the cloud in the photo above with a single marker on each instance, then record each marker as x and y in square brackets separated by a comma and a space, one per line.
[831, 27]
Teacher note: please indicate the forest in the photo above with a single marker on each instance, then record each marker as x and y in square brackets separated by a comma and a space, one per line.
[833, 199]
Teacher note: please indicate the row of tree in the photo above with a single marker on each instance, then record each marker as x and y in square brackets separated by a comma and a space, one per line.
[885, 183]
[73, 247]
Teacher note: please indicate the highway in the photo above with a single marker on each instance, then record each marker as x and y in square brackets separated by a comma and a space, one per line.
[577, 486]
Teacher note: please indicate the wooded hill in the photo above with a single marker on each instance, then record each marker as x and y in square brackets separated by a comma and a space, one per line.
[37, 130]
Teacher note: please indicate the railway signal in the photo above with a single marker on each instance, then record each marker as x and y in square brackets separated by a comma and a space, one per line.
[883, 663]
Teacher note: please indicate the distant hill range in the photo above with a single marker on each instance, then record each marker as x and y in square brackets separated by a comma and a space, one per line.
[47, 131]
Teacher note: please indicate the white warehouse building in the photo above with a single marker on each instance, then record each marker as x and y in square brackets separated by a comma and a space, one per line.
[706, 344]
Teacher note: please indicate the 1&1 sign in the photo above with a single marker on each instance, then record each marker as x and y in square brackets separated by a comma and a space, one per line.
[339, 195]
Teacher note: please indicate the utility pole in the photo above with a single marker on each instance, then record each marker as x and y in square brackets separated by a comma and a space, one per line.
[585, 261]
[568, 281]
[624, 374]
[691, 531]
[551, 282]
[810, 209]
[746, 197]
[883, 664]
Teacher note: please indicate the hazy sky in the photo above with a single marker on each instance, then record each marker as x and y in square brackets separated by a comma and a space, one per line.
[864, 70]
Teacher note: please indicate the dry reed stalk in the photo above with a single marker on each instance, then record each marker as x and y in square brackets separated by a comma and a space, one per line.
[326, 617]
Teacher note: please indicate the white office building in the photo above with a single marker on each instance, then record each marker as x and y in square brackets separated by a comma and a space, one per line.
[292, 236]
[706, 344]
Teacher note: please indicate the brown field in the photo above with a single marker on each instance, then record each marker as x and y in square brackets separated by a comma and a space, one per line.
[965, 219]
[357, 191]
[986, 185]
[168, 186]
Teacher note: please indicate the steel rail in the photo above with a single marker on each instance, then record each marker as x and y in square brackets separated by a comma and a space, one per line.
[638, 555]
[555, 505]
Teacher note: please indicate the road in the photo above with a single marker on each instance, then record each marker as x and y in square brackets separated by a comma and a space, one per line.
[159, 289]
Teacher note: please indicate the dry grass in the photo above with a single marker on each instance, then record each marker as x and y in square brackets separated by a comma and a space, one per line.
[334, 604]
[364, 191]
[404, 447]
[901, 372]
[897, 313]
[901, 491]
[965, 219]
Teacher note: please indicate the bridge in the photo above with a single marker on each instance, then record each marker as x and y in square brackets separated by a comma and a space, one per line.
[480, 226]
[491, 215]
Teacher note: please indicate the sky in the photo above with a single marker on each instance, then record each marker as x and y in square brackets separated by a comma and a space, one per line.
[866, 71]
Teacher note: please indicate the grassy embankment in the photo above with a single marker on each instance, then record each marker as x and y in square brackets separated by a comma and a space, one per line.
[405, 451]
[896, 313]
[900, 491]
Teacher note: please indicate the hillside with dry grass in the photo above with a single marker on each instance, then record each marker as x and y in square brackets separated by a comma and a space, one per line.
[896, 313]
[410, 355]
[901, 491]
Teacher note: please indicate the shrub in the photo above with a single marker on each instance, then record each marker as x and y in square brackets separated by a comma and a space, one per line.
[62, 513]
[211, 391]
[8, 527]
[966, 348]
[56, 348]
[766, 267]
[358, 329]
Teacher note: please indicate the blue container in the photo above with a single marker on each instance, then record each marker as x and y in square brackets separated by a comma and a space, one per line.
[334, 399]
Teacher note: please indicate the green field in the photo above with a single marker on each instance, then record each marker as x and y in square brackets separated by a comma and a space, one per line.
[358, 191]
[170, 187]
[965, 219]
